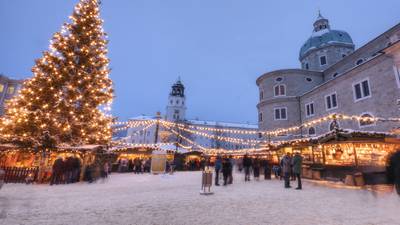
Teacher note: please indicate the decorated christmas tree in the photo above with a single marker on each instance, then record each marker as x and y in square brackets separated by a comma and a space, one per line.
[70, 93]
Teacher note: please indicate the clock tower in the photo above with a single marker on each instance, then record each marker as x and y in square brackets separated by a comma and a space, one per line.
[176, 108]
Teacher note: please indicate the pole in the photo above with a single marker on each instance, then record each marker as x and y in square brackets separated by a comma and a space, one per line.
[157, 127]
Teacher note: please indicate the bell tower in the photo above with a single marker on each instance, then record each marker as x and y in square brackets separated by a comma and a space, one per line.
[176, 108]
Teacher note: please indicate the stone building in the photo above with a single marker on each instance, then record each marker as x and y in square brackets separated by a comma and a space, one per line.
[176, 113]
[334, 78]
[8, 88]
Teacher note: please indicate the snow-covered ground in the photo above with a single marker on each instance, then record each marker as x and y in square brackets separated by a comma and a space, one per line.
[165, 199]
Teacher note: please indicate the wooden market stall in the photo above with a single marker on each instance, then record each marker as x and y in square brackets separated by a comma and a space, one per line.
[20, 163]
[125, 156]
[338, 154]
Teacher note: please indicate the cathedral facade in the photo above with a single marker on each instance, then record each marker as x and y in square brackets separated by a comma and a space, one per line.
[334, 78]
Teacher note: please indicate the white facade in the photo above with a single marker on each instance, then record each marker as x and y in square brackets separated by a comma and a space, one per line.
[176, 112]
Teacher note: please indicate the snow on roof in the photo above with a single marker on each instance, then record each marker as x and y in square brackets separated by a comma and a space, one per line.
[224, 124]
[174, 148]
[319, 33]
[143, 117]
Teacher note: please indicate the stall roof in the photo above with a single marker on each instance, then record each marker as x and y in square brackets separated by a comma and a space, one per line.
[343, 135]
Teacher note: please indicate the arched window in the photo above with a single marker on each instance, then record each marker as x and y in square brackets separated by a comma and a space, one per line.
[311, 131]
[280, 90]
[261, 95]
[333, 125]
[366, 120]
[359, 62]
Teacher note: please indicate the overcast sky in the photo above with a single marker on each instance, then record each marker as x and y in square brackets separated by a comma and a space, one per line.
[217, 47]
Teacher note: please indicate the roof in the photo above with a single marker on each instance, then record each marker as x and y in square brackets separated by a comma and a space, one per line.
[143, 117]
[223, 124]
[325, 37]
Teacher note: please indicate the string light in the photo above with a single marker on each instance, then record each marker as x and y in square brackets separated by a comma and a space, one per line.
[70, 94]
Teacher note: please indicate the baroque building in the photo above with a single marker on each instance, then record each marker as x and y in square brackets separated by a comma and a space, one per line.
[8, 88]
[176, 113]
[334, 78]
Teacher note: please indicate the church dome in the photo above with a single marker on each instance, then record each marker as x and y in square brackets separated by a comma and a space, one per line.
[324, 36]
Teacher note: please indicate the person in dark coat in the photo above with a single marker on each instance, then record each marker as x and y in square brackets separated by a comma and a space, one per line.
[226, 168]
[267, 169]
[286, 165]
[69, 170]
[256, 168]
[247, 164]
[393, 170]
[218, 167]
[297, 166]
[76, 170]
[56, 171]
[230, 178]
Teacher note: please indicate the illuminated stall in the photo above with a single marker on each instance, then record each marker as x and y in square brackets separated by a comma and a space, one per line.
[340, 153]
[14, 158]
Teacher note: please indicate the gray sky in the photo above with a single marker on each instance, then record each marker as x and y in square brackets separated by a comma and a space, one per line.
[218, 47]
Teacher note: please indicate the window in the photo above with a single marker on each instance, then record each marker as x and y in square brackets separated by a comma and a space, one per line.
[343, 55]
[397, 75]
[10, 90]
[279, 79]
[306, 66]
[280, 113]
[311, 131]
[177, 102]
[309, 79]
[359, 62]
[333, 125]
[261, 95]
[260, 117]
[331, 101]
[1, 87]
[361, 90]
[279, 90]
[322, 60]
[172, 102]
[335, 74]
[310, 109]
[367, 122]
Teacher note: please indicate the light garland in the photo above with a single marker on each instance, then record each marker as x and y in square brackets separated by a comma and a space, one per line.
[70, 94]
[133, 122]
[219, 138]
[134, 125]
[143, 129]
[224, 130]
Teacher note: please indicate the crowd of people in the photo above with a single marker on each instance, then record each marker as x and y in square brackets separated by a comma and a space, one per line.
[289, 167]
[68, 170]
[136, 165]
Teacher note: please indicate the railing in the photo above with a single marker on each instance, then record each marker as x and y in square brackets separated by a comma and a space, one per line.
[19, 174]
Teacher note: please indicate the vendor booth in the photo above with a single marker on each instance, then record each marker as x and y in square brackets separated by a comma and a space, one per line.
[338, 154]
[20, 163]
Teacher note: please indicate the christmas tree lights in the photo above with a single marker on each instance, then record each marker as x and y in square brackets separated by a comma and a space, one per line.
[69, 88]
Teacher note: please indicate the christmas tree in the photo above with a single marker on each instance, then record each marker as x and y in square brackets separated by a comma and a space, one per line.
[70, 92]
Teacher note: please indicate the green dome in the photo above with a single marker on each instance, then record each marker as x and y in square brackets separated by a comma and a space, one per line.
[325, 37]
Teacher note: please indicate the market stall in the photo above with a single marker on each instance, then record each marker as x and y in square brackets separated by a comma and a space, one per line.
[340, 153]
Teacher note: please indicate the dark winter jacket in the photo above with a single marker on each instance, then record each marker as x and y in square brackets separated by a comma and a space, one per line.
[226, 166]
[286, 163]
[297, 163]
[246, 161]
[218, 164]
